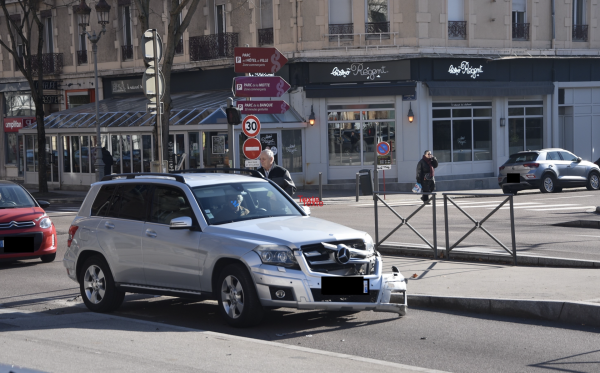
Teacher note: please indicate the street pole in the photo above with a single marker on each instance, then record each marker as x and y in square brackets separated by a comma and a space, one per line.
[158, 116]
[99, 164]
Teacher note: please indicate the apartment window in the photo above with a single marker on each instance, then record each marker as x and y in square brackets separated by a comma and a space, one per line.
[127, 47]
[457, 26]
[340, 19]
[265, 33]
[580, 29]
[31, 153]
[48, 35]
[377, 17]
[179, 45]
[220, 25]
[18, 104]
[462, 132]
[520, 29]
[525, 125]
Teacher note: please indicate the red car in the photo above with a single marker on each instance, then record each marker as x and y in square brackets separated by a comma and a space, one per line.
[26, 232]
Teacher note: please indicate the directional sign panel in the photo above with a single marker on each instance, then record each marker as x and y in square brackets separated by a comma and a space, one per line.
[383, 148]
[149, 84]
[258, 60]
[251, 126]
[259, 86]
[252, 148]
[263, 107]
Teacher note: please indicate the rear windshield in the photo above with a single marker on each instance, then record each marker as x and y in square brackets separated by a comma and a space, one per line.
[13, 196]
[523, 157]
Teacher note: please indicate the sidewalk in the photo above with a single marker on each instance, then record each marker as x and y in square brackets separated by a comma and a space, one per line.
[567, 295]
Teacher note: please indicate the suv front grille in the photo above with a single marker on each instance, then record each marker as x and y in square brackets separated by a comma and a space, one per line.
[17, 224]
[322, 260]
[366, 298]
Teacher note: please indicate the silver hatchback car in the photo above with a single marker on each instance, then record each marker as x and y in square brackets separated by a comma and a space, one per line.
[238, 239]
[550, 170]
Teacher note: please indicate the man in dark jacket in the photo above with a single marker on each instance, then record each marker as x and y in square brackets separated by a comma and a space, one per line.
[108, 161]
[278, 174]
[425, 174]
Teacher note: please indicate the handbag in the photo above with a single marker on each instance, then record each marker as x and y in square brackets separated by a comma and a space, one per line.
[417, 188]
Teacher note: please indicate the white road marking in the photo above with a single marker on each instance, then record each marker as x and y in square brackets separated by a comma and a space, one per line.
[506, 204]
[465, 203]
[589, 195]
[566, 208]
[527, 207]
[585, 235]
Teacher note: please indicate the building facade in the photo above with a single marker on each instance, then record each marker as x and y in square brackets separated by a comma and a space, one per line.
[483, 79]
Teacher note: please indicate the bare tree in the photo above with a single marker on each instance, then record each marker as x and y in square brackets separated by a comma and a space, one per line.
[175, 31]
[24, 31]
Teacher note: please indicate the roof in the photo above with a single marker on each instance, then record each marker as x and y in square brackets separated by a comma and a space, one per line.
[191, 179]
[206, 107]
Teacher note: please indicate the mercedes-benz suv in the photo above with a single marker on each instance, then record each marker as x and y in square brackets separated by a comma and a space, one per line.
[235, 238]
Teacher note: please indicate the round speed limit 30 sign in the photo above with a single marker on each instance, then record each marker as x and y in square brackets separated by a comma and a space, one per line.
[251, 126]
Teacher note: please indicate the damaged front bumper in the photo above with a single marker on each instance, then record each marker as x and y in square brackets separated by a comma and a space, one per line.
[301, 289]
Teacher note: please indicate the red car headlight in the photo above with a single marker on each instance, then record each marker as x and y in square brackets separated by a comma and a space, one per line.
[45, 223]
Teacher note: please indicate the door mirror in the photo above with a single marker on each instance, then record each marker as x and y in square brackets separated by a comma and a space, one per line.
[578, 159]
[183, 222]
[306, 210]
[44, 204]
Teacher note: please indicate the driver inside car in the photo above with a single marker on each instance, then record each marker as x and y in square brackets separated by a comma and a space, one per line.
[233, 209]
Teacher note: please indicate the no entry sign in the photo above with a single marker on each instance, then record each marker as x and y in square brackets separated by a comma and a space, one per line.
[251, 126]
[383, 148]
[252, 148]
[258, 60]
[259, 86]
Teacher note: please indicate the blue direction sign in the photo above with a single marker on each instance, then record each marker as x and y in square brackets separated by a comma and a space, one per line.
[383, 148]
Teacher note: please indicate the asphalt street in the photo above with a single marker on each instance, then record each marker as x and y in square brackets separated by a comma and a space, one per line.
[450, 341]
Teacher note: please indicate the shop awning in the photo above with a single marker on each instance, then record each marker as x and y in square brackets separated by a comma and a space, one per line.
[490, 89]
[205, 107]
[358, 90]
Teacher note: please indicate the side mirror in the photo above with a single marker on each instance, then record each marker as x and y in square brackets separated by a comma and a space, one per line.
[44, 204]
[306, 210]
[183, 222]
[578, 159]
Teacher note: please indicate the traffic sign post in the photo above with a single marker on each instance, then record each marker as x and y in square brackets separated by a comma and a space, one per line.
[263, 107]
[252, 148]
[258, 60]
[259, 86]
[383, 148]
[153, 83]
[251, 126]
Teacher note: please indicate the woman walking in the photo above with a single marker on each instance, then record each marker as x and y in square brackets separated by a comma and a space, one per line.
[425, 174]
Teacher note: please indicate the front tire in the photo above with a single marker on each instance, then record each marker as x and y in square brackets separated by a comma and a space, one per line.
[48, 258]
[548, 184]
[97, 286]
[593, 182]
[238, 300]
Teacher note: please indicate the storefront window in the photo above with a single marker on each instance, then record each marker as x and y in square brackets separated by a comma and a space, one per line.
[19, 104]
[353, 135]
[11, 148]
[116, 153]
[525, 125]
[66, 154]
[31, 153]
[462, 132]
[215, 150]
[126, 152]
[147, 151]
[85, 154]
[136, 152]
[194, 150]
[291, 152]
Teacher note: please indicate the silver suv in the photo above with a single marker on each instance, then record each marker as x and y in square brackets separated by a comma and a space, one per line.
[238, 239]
[550, 170]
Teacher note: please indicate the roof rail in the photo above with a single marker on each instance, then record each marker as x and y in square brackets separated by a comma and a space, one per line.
[178, 178]
[253, 173]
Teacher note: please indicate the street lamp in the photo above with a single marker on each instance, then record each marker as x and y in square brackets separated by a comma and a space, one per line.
[83, 12]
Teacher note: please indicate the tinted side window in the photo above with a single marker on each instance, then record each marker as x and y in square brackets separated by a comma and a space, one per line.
[129, 202]
[102, 201]
[552, 156]
[167, 204]
[566, 156]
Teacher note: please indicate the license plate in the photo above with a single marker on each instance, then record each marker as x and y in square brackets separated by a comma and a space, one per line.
[21, 244]
[344, 286]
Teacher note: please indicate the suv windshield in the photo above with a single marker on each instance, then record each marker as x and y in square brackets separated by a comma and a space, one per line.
[228, 203]
[523, 157]
[13, 196]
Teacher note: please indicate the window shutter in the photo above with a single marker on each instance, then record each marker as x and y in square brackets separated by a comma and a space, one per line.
[456, 10]
[340, 12]
[518, 5]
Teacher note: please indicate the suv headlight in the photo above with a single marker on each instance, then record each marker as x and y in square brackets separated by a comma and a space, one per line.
[276, 255]
[369, 244]
[45, 223]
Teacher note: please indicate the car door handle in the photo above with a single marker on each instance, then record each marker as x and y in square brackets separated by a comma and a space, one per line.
[109, 225]
[150, 233]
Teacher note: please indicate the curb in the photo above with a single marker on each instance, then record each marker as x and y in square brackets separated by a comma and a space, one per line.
[558, 311]
[530, 260]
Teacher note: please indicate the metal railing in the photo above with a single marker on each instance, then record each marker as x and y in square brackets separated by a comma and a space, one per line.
[520, 31]
[346, 29]
[82, 57]
[580, 33]
[377, 28]
[265, 36]
[457, 30]
[404, 221]
[210, 47]
[362, 36]
[126, 52]
[52, 63]
[479, 224]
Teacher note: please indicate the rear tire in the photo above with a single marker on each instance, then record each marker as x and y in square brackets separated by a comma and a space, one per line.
[548, 184]
[238, 301]
[97, 286]
[48, 258]
[593, 181]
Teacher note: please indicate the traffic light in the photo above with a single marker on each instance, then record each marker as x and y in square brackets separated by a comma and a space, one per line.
[234, 115]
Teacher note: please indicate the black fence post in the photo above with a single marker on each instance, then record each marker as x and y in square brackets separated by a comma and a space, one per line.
[435, 253]
[376, 221]
[512, 230]
[446, 224]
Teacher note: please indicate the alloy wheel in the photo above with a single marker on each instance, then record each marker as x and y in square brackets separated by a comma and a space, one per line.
[595, 181]
[548, 184]
[94, 284]
[232, 295]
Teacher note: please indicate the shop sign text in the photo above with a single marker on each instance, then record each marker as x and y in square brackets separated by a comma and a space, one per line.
[466, 69]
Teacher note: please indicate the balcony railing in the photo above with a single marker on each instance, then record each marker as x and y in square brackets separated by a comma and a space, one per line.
[381, 28]
[265, 36]
[210, 47]
[344, 31]
[457, 30]
[179, 47]
[520, 31]
[126, 52]
[52, 63]
[82, 57]
[580, 32]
